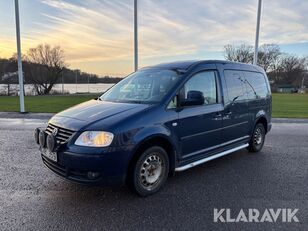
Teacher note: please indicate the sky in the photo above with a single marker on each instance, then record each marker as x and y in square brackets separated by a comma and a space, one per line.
[97, 35]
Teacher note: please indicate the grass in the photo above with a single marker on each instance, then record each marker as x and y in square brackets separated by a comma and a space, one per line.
[49, 103]
[290, 105]
[284, 105]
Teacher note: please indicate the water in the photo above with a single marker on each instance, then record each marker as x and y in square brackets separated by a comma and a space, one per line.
[68, 88]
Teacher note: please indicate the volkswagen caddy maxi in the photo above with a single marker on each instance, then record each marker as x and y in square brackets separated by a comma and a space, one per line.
[158, 120]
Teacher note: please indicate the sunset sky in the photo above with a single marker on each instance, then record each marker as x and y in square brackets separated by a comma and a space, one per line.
[97, 36]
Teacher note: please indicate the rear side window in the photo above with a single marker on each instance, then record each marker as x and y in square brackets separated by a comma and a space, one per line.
[235, 85]
[256, 85]
[204, 82]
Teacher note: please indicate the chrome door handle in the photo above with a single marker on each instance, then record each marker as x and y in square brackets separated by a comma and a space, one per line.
[217, 115]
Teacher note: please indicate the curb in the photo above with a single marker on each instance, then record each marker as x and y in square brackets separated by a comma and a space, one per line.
[17, 115]
[45, 116]
[289, 120]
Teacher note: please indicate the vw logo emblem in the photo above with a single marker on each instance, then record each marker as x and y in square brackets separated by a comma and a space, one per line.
[55, 131]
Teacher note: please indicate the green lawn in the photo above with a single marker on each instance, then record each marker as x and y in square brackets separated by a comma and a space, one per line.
[50, 103]
[290, 105]
[284, 105]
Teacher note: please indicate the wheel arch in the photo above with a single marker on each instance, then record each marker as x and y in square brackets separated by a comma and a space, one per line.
[263, 121]
[154, 140]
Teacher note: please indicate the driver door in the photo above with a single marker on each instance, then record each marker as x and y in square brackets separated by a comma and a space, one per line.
[200, 125]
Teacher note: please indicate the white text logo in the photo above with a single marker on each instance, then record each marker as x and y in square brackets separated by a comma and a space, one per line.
[254, 215]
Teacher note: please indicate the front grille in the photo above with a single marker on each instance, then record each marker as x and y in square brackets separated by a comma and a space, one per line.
[59, 169]
[63, 134]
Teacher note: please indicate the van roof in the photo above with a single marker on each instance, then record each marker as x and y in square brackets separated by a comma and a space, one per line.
[187, 64]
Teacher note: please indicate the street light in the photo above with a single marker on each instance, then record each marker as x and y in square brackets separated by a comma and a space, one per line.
[20, 75]
[255, 58]
[136, 34]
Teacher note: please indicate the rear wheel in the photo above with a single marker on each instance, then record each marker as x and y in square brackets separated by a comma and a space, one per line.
[258, 137]
[150, 171]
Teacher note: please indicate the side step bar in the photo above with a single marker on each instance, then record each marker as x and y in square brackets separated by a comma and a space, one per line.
[193, 164]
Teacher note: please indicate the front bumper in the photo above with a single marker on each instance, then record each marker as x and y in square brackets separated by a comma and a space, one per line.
[109, 167]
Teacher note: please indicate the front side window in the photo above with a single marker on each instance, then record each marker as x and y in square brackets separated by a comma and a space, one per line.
[144, 86]
[204, 82]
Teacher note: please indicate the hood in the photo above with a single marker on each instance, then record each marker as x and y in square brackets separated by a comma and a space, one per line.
[91, 111]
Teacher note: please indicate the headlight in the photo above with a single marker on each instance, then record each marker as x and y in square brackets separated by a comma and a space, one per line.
[94, 139]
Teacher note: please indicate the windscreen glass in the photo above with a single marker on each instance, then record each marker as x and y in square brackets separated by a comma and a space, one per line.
[144, 86]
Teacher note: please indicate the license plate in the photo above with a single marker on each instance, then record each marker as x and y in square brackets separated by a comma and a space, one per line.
[49, 154]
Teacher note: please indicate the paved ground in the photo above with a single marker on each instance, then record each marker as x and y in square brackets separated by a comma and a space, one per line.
[32, 198]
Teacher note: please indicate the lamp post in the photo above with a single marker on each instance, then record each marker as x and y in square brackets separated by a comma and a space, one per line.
[255, 58]
[136, 34]
[19, 62]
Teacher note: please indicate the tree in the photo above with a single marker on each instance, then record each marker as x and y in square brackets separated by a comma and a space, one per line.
[281, 67]
[8, 75]
[292, 69]
[268, 55]
[242, 53]
[44, 67]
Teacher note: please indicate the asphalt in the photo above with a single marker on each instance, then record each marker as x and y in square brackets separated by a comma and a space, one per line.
[33, 198]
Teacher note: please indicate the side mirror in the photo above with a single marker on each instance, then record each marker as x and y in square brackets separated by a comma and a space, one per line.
[193, 98]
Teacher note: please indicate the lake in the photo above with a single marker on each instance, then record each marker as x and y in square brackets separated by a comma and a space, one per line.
[68, 88]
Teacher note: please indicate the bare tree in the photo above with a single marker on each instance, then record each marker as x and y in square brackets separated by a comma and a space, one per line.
[269, 57]
[280, 67]
[242, 53]
[292, 69]
[45, 65]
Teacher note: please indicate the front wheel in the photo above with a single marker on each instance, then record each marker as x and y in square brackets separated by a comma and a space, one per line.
[258, 137]
[150, 171]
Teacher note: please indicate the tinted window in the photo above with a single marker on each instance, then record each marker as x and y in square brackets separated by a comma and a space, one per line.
[235, 85]
[204, 82]
[255, 85]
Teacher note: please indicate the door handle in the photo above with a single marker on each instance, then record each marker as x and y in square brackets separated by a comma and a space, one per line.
[217, 115]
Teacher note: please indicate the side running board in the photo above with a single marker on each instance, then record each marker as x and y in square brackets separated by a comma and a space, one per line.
[193, 164]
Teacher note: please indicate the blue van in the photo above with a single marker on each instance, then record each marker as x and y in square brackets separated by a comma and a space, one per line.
[159, 120]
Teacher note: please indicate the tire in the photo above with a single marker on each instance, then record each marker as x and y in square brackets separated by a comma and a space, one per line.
[150, 171]
[257, 139]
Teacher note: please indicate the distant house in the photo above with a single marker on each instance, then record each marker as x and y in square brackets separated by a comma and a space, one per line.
[287, 88]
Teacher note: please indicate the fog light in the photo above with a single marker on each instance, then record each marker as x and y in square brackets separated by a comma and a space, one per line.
[93, 175]
[42, 139]
[51, 143]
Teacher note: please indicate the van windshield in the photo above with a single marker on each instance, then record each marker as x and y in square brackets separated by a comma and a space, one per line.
[145, 86]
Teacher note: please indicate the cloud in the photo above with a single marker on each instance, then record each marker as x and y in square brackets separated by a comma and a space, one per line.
[99, 34]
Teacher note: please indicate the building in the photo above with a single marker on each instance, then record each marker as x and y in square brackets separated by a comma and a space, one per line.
[287, 88]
